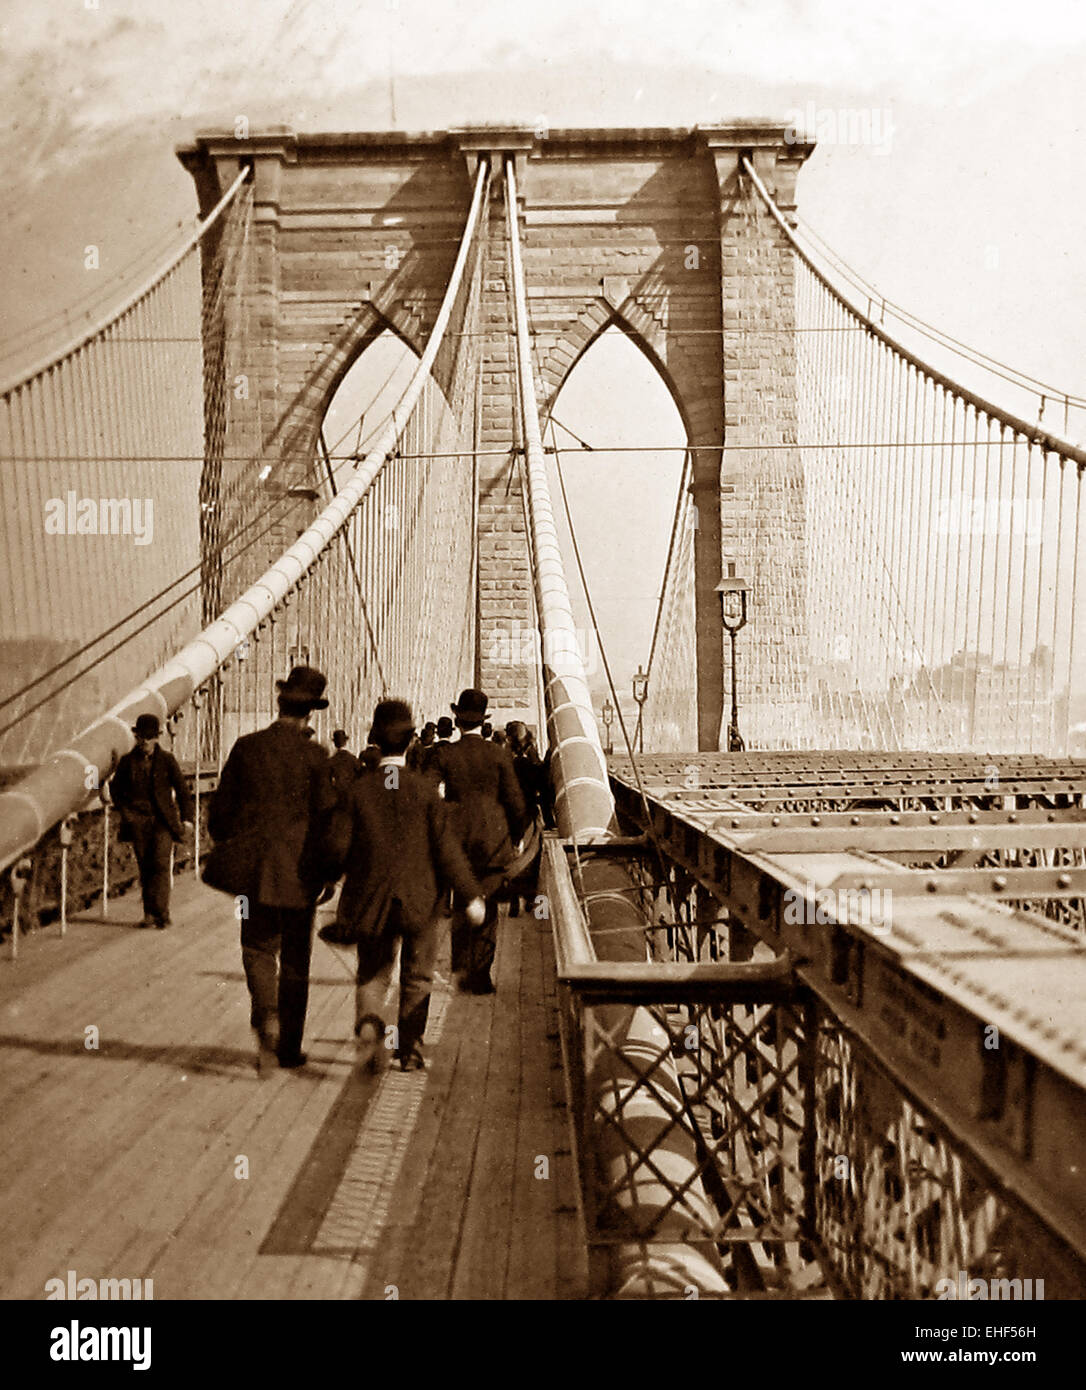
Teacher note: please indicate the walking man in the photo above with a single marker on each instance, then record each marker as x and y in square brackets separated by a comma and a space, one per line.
[156, 809]
[273, 808]
[343, 765]
[491, 817]
[402, 859]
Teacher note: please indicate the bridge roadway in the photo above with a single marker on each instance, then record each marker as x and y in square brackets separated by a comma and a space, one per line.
[127, 1161]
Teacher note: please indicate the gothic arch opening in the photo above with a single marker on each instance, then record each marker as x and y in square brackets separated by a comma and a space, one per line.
[621, 502]
[365, 397]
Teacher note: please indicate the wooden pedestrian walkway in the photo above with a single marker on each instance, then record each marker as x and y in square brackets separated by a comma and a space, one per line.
[138, 1142]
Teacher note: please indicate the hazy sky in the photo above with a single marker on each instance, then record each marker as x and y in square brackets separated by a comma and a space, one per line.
[969, 210]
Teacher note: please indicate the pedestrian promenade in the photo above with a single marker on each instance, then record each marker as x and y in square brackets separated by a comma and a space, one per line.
[159, 1154]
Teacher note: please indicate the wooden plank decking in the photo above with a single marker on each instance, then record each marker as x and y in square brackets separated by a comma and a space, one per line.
[129, 1160]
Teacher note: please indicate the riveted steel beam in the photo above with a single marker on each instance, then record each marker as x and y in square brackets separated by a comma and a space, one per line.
[926, 981]
[916, 838]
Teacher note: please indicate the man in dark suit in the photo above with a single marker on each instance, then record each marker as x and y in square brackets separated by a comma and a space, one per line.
[443, 732]
[481, 784]
[275, 800]
[401, 857]
[343, 765]
[156, 809]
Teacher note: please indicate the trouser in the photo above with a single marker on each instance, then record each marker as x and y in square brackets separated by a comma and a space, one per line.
[418, 951]
[153, 843]
[275, 947]
[473, 947]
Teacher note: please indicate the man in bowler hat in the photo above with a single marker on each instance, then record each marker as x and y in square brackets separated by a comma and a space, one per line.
[481, 784]
[343, 764]
[402, 857]
[156, 809]
[274, 802]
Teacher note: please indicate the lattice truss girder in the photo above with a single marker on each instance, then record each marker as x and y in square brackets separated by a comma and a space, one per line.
[885, 1194]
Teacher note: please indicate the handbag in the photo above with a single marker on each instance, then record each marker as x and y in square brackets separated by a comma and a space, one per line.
[233, 866]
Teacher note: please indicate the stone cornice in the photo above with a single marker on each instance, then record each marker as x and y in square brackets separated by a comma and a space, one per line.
[525, 141]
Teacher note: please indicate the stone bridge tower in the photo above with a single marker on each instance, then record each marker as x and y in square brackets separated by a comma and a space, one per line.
[655, 231]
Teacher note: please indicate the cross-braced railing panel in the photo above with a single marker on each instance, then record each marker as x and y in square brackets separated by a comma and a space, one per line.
[926, 1124]
[900, 1211]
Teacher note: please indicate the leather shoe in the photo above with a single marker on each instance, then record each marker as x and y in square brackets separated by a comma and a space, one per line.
[413, 1060]
[292, 1060]
[267, 1042]
[372, 1053]
[479, 984]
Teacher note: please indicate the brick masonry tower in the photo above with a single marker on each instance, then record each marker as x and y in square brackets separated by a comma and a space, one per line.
[656, 232]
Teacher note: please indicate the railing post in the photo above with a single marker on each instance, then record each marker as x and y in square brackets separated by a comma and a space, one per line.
[65, 836]
[105, 858]
[807, 1012]
[20, 877]
[196, 703]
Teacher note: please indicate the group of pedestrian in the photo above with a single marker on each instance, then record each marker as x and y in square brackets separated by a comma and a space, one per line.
[420, 828]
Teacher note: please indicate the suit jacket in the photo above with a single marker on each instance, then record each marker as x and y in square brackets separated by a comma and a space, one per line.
[167, 781]
[276, 796]
[344, 769]
[429, 760]
[398, 843]
[481, 784]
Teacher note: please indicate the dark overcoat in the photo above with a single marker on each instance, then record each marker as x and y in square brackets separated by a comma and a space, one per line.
[396, 841]
[482, 788]
[344, 769]
[167, 780]
[275, 800]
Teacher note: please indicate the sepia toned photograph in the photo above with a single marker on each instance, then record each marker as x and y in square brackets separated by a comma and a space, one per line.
[542, 696]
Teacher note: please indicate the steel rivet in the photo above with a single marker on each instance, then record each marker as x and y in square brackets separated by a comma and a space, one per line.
[973, 818]
[934, 820]
[1064, 880]
[816, 820]
[932, 885]
[1012, 818]
[895, 820]
[776, 820]
[999, 882]
[855, 820]
[735, 825]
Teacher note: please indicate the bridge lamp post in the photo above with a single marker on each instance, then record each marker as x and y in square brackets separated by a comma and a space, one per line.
[641, 694]
[733, 593]
[608, 714]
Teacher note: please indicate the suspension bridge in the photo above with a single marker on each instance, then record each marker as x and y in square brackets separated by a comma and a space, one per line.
[799, 1019]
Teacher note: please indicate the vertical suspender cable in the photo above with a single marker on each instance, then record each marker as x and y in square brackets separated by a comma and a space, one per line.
[58, 785]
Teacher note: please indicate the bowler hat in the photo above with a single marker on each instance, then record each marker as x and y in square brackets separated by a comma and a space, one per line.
[471, 705]
[391, 718]
[147, 726]
[304, 686]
